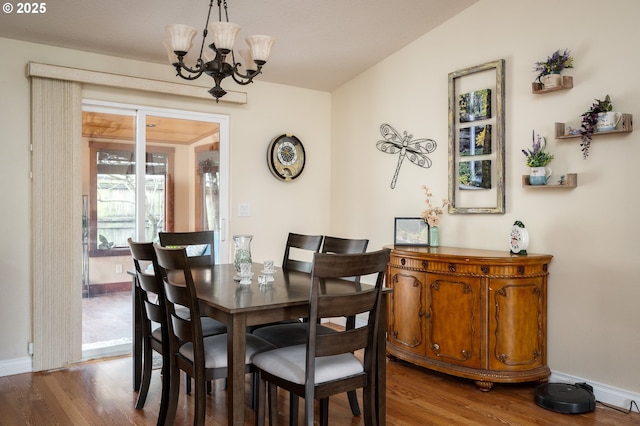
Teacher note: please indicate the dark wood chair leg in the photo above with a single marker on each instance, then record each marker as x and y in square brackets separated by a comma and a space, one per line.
[253, 390]
[294, 409]
[146, 373]
[187, 384]
[166, 387]
[324, 412]
[174, 393]
[273, 405]
[353, 403]
[368, 404]
[201, 402]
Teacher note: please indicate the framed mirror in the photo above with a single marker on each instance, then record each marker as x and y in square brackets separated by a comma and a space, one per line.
[476, 139]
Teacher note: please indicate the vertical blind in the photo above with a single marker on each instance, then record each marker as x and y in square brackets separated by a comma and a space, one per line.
[56, 208]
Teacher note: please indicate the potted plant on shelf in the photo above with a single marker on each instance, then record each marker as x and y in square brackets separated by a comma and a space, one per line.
[549, 70]
[537, 160]
[599, 118]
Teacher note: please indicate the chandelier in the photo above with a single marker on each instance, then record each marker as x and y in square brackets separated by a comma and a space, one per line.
[220, 61]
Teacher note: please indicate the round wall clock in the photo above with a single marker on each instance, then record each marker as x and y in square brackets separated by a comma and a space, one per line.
[519, 238]
[286, 157]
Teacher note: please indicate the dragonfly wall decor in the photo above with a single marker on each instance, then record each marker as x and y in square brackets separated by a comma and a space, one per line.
[415, 150]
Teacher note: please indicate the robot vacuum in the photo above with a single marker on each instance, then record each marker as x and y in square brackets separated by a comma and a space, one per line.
[565, 398]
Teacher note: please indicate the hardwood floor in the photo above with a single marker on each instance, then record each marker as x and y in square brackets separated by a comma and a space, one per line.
[100, 393]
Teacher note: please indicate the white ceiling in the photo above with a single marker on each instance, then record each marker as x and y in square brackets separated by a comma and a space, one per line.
[320, 44]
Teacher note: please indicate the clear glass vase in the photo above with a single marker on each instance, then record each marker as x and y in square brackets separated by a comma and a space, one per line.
[242, 244]
[434, 236]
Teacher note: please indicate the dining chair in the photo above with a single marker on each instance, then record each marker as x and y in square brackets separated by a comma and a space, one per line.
[154, 325]
[150, 291]
[347, 246]
[298, 247]
[295, 242]
[325, 364]
[283, 335]
[203, 358]
[200, 247]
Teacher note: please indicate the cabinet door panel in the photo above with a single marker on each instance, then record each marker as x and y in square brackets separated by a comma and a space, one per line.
[406, 310]
[517, 305]
[453, 319]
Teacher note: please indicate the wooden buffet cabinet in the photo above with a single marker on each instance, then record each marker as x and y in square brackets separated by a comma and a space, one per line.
[477, 314]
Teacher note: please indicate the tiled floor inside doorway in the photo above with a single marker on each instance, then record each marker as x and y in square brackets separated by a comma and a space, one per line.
[106, 321]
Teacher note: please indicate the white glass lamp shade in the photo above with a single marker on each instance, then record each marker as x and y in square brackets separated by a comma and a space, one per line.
[181, 37]
[173, 58]
[224, 35]
[260, 47]
[247, 59]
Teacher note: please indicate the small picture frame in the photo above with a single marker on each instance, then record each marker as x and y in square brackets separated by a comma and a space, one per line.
[410, 231]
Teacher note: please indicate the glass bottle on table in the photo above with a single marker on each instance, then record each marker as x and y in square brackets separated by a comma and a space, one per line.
[242, 245]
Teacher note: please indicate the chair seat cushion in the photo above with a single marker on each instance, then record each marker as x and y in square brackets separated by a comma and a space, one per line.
[252, 328]
[215, 350]
[210, 327]
[289, 364]
[283, 335]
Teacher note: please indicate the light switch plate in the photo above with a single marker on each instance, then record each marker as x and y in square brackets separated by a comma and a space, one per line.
[244, 210]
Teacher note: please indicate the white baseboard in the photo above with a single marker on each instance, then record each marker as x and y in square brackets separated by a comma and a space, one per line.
[603, 393]
[118, 347]
[10, 367]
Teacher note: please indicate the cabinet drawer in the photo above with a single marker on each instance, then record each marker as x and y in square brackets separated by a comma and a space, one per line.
[408, 263]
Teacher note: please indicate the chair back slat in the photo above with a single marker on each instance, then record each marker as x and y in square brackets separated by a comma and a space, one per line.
[340, 343]
[149, 282]
[311, 243]
[347, 304]
[344, 245]
[182, 328]
[154, 312]
[201, 242]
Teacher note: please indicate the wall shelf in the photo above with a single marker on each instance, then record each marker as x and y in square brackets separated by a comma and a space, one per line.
[625, 126]
[571, 181]
[538, 88]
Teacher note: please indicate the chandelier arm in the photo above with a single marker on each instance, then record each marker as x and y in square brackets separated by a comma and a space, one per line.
[244, 79]
[195, 72]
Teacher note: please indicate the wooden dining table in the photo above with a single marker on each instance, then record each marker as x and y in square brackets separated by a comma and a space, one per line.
[286, 297]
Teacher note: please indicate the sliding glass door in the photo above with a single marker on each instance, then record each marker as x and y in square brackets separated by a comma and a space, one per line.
[146, 170]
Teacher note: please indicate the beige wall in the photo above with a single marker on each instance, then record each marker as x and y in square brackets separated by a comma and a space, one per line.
[594, 292]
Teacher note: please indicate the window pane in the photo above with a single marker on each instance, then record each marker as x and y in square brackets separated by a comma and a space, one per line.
[115, 198]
